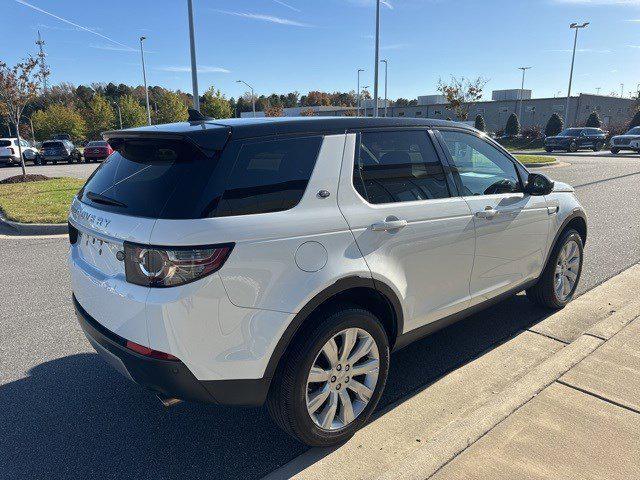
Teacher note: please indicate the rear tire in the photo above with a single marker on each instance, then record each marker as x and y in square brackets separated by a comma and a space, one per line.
[548, 149]
[549, 292]
[598, 146]
[573, 147]
[291, 398]
[615, 151]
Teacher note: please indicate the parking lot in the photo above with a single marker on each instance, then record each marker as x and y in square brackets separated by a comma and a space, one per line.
[64, 415]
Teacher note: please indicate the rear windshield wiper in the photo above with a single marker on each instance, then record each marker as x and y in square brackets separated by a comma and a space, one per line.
[99, 198]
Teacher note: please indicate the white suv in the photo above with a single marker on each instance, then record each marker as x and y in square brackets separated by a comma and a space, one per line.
[282, 260]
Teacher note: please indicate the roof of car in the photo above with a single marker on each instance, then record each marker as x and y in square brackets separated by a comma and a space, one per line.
[258, 127]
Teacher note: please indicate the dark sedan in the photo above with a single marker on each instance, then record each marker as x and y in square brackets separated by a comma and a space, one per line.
[574, 139]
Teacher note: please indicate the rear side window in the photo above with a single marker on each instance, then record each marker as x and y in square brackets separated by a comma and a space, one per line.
[398, 166]
[5, 143]
[267, 176]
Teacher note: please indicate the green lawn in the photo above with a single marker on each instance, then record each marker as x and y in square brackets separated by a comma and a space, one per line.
[39, 202]
[536, 158]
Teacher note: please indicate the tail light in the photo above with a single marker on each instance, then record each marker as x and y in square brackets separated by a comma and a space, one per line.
[73, 234]
[12, 151]
[162, 267]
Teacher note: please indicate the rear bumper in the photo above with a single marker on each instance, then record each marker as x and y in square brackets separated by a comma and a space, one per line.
[9, 160]
[168, 378]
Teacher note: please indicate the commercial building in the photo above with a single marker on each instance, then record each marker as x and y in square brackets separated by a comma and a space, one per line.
[613, 111]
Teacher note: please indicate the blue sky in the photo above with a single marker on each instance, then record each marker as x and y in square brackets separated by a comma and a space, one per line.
[285, 45]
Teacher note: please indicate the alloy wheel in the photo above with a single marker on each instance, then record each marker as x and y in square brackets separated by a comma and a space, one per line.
[567, 269]
[342, 379]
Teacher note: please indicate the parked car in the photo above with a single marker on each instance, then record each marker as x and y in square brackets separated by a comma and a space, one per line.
[246, 261]
[96, 151]
[574, 139]
[55, 151]
[10, 152]
[628, 141]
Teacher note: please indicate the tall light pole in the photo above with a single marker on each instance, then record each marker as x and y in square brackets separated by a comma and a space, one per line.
[576, 27]
[365, 105]
[253, 96]
[524, 70]
[598, 90]
[194, 69]
[360, 70]
[386, 101]
[375, 73]
[144, 77]
[119, 113]
[622, 90]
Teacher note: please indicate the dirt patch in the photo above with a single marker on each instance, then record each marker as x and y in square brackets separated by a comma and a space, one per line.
[25, 178]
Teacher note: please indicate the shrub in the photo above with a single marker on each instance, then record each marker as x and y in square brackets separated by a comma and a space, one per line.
[479, 124]
[635, 121]
[593, 120]
[554, 126]
[513, 126]
[532, 132]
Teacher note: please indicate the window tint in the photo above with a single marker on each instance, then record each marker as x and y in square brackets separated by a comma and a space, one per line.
[268, 176]
[481, 168]
[399, 166]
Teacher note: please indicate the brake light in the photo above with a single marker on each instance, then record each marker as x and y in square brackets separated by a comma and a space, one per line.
[163, 267]
[149, 352]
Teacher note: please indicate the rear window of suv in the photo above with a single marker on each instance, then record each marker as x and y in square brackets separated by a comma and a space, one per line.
[171, 179]
[52, 145]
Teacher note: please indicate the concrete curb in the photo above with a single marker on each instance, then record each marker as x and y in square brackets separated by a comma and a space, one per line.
[28, 229]
[534, 165]
[439, 451]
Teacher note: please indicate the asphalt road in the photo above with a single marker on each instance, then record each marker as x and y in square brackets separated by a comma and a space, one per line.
[65, 414]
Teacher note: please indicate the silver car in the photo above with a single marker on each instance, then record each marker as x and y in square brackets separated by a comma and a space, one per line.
[628, 141]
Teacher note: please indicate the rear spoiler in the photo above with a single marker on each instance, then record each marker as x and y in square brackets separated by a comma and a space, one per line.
[207, 136]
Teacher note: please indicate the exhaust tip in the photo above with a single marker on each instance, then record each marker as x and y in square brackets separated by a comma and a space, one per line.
[168, 401]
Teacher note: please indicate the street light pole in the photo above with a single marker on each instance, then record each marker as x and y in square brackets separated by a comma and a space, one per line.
[253, 96]
[144, 77]
[365, 105]
[358, 92]
[622, 90]
[524, 69]
[386, 101]
[194, 69]
[598, 90]
[573, 59]
[377, 63]
[119, 113]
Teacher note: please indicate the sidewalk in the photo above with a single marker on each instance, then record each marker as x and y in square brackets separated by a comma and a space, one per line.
[585, 425]
[557, 400]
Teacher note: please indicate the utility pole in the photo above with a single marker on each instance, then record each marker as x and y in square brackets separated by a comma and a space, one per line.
[573, 58]
[524, 69]
[386, 100]
[144, 77]
[119, 113]
[622, 90]
[377, 62]
[598, 90]
[41, 60]
[194, 69]
[360, 70]
[253, 96]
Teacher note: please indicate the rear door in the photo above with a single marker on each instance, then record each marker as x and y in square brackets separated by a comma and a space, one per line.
[511, 226]
[415, 236]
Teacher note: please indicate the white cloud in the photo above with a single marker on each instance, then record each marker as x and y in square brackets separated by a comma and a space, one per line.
[69, 22]
[633, 46]
[265, 18]
[201, 69]
[114, 48]
[291, 7]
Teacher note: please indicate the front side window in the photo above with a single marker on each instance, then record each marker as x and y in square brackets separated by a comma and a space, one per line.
[398, 166]
[481, 168]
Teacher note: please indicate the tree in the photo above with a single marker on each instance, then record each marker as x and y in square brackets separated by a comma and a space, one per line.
[460, 92]
[635, 121]
[593, 120]
[99, 116]
[554, 126]
[171, 108]
[307, 112]
[133, 114]
[276, 111]
[215, 105]
[513, 126]
[479, 124]
[18, 86]
[57, 118]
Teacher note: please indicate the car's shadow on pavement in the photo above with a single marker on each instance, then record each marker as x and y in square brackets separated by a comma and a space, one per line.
[76, 418]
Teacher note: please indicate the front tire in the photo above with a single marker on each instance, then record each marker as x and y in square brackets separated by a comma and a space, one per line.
[573, 147]
[615, 151]
[598, 146]
[332, 379]
[548, 149]
[557, 284]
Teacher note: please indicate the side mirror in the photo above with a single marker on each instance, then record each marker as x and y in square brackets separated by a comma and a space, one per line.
[538, 184]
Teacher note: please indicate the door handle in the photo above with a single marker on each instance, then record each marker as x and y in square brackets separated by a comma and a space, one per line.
[389, 224]
[488, 213]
